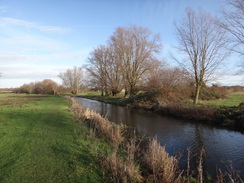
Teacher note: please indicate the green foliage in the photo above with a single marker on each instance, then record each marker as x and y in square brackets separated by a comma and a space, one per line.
[40, 142]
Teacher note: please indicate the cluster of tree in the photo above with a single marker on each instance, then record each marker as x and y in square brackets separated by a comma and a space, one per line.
[128, 60]
[47, 86]
[73, 79]
[125, 61]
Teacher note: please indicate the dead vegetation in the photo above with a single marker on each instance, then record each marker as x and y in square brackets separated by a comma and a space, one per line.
[164, 168]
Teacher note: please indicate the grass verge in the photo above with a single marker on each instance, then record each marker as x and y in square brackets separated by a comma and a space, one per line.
[40, 142]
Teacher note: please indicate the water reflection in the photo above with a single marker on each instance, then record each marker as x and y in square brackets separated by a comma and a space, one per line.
[177, 134]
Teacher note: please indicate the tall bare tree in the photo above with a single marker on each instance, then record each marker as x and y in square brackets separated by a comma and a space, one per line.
[134, 46]
[114, 72]
[97, 64]
[73, 79]
[203, 43]
[233, 22]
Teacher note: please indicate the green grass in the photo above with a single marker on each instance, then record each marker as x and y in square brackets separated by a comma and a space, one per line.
[40, 142]
[108, 99]
[233, 99]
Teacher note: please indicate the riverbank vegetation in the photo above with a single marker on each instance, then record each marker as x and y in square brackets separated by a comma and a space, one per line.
[128, 161]
[227, 112]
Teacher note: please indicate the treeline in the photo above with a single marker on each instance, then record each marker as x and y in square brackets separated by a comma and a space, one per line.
[47, 86]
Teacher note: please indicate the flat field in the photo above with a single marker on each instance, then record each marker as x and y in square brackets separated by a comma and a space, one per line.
[41, 142]
[233, 99]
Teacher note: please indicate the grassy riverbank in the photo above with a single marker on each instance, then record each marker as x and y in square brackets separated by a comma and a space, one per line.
[41, 142]
[232, 100]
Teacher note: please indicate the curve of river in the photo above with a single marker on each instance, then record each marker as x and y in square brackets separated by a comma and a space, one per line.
[221, 146]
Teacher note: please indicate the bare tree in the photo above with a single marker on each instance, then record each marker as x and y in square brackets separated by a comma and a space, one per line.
[233, 22]
[134, 46]
[72, 79]
[105, 71]
[203, 43]
[97, 63]
[30, 87]
[49, 86]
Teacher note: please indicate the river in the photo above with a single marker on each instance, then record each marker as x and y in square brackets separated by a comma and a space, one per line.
[221, 145]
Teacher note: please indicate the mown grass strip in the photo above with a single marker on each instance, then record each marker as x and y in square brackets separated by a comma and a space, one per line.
[41, 142]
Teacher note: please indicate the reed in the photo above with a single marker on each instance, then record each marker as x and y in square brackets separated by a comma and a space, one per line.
[100, 125]
[164, 167]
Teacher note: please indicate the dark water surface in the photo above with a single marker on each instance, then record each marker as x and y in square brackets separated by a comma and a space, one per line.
[221, 145]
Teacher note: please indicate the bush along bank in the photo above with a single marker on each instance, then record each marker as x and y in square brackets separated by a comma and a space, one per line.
[231, 117]
[126, 160]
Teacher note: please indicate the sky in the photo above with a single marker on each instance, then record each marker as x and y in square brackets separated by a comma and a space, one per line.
[41, 38]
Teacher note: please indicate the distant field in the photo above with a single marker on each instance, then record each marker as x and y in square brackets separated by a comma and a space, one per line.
[40, 142]
[233, 99]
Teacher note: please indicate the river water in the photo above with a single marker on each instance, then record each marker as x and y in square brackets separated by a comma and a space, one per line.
[221, 146]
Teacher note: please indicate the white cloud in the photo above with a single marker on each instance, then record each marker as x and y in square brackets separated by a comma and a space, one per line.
[31, 71]
[13, 57]
[30, 42]
[6, 21]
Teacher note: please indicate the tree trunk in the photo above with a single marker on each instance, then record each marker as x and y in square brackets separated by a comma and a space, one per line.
[198, 88]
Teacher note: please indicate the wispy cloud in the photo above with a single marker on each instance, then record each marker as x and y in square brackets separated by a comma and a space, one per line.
[29, 43]
[32, 25]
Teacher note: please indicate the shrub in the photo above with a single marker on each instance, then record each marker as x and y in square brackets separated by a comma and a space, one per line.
[212, 93]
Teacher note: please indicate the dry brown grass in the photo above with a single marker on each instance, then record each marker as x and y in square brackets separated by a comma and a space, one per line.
[100, 125]
[122, 165]
[121, 162]
[164, 168]
[231, 176]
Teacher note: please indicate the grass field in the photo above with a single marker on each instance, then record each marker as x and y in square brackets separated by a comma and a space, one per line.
[233, 99]
[40, 142]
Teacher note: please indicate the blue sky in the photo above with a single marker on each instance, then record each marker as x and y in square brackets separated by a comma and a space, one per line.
[41, 38]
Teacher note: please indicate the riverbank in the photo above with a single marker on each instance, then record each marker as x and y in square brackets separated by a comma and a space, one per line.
[135, 159]
[226, 113]
[40, 141]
